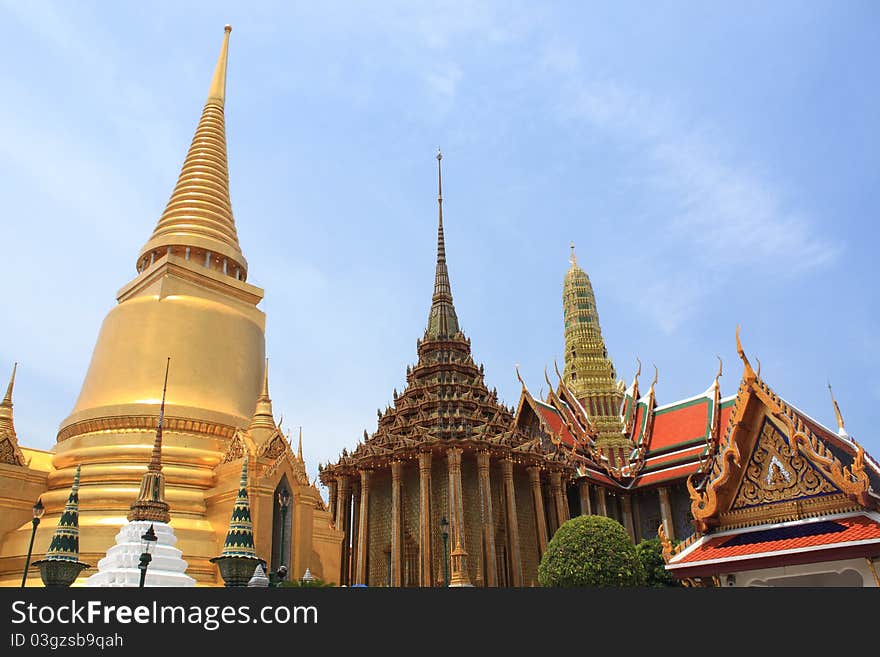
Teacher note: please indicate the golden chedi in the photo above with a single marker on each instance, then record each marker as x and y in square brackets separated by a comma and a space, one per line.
[189, 301]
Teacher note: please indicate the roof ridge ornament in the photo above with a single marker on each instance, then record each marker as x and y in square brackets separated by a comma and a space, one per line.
[748, 373]
[841, 430]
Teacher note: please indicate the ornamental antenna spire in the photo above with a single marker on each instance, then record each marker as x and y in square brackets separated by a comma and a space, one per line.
[572, 258]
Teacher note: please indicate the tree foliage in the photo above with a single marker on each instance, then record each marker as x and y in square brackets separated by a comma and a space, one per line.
[591, 551]
[650, 553]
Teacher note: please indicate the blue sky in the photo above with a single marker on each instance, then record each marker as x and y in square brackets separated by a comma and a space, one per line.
[715, 165]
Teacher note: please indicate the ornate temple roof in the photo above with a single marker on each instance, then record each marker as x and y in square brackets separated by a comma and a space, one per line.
[10, 452]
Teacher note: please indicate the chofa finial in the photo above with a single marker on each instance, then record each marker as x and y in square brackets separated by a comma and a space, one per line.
[748, 373]
[841, 430]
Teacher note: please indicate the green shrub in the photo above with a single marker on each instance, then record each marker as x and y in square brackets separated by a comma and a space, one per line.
[591, 551]
[650, 553]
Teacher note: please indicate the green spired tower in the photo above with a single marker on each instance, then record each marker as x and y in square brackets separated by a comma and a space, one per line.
[589, 372]
[62, 565]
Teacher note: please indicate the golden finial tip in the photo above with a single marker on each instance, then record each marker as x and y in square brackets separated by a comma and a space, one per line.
[227, 28]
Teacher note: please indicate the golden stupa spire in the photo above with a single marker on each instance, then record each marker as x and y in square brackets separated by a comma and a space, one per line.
[299, 450]
[841, 430]
[263, 417]
[150, 504]
[6, 423]
[572, 258]
[442, 320]
[197, 223]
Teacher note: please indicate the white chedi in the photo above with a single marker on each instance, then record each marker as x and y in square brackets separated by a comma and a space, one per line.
[120, 566]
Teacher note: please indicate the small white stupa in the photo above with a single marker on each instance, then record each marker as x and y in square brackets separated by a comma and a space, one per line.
[166, 568]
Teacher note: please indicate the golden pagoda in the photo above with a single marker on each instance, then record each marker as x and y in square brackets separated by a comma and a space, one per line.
[589, 372]
[190, 301]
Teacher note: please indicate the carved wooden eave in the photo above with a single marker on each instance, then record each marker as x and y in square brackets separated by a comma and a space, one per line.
[757, 406]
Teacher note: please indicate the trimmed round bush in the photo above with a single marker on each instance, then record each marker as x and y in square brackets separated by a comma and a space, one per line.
[650, 553]
[591, 551]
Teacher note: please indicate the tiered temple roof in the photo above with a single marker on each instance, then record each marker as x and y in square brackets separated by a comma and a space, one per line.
[445, 397]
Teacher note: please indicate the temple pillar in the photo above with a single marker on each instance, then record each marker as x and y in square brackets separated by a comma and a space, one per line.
[487, 518]
[425, 578]
[584, 495]
[355, 527]
[343, 500]
[559, 498]
[396, 534]
[516, 576]
[363, 530]
[552, 520]
[538, 498]
[627, 515]
[458, 556]
[600, 501]
[332, 495]
[666, 512]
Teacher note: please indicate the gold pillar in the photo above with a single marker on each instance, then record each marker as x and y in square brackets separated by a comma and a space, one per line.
[559, 497]
[512, 524]
[363, 543]
[584, 494]
[343, 499]
[396, 579]
[627, 512]
[303, 526]
[540, 517]
[458, 560]
[666, 512]
[487, 517]
[425, 578]
[600, 501]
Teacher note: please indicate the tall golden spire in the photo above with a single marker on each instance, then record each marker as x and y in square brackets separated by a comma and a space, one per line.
[263, 416]
[6, 423]
[442, 320]
[198, 223]
[150, 504]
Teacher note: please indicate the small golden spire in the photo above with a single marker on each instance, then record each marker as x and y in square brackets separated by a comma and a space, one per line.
[263, 417]
[6, 423]
[572, 258]
[150, 504]
[7, 399]
[217, 90]
[299, 450]
[841, 430]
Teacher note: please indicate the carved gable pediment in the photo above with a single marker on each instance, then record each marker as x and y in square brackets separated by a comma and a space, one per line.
[777, 472]
[274, 447]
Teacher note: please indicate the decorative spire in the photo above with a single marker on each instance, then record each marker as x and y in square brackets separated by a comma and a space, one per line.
[442, 320]
[10, 452]
[198, 219]
[589, 372]
[65, 540]
[150, 504]
[6, 423]
[299, 450]
[240, 538]
[841, 430]
[263, 416]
